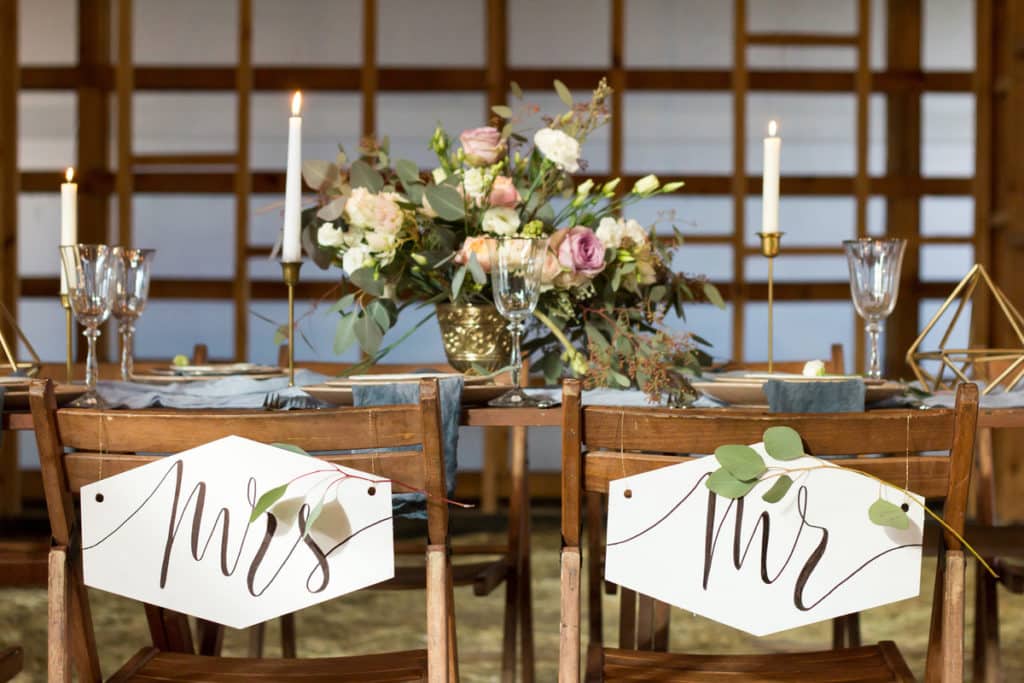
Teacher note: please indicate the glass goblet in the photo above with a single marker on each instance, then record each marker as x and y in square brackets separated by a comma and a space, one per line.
[516, 267]
[874, 285]
[131, 288]
[90, 275]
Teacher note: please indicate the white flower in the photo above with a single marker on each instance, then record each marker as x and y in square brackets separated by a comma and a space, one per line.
[474, 181]
[610, 232]
[353, 236]
[330, 236]
[559, 148]
[439, 175]
[361, 207]
[355, 258]
[501, 221]
[585, 187]
[634, 232]
[646, 185]
[387, 215]
[814, 368]
[380, 241]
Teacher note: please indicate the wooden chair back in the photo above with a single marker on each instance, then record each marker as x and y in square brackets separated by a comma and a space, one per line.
[78, 447]
[602, 443]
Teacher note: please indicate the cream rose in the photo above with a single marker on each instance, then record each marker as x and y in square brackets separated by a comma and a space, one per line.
[634, 232]
[610, 232]
[360, 207]
[330, 236]
[355, 258]
[561, 149]
[501, 221]
[473, 183]
[387, 215]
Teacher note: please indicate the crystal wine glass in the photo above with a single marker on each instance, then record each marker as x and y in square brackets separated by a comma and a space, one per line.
[131, 288]
[516, 267]
[90, 275]
[874, 285]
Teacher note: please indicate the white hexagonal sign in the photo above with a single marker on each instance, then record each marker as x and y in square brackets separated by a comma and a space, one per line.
[176, 532]
[763, 567]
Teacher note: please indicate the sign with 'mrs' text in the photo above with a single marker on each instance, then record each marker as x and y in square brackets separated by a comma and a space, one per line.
[177, 532]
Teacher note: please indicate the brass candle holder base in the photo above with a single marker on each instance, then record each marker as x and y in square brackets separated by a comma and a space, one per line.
[770, 249]
[69, 332]
[290, 274]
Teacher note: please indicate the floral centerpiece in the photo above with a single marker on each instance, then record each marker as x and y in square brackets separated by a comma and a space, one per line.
[406, 238]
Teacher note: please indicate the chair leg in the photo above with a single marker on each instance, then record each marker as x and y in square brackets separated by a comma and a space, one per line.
[438, 614]
[210, 636]
[569, 631]
[595, 565]
[58, 635]
[453, 645]
[645, 622]
[521, 470]
[288, 635]
[853, 629]
[986, 628]
[661, 617]
[953, 618]
[627, 619]
[256, 636]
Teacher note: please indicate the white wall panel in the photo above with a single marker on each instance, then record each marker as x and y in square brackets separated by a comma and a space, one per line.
[310, 32]
[47, 32]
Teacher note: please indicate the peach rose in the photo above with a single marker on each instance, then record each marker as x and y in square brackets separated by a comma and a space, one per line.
[504, 193]
[475, 245]
[482, 145]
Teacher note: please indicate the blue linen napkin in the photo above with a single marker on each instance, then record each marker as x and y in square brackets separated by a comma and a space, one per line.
[412, 504]
[237, 392]
[840, 396]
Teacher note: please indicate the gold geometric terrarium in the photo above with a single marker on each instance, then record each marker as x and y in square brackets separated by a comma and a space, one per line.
[958, 365]
[9, 347]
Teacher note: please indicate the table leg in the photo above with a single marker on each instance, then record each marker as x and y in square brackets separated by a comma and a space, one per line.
[521, 467]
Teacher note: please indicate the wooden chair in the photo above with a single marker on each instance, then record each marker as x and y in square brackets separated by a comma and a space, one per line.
[11, 660]
[511, 564]
[613, 435]
[93, 454]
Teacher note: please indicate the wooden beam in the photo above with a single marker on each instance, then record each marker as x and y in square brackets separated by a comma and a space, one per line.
[497, 54]
[739, 182]
[243, 178]
[463, 79]
[903, 161]
[10, 478]
[983, 161]
[93, 134]
[368, 80]
[125, 88]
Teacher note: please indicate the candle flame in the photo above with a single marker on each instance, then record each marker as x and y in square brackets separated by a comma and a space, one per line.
[69, 174]
[773, 128]
[297, 103]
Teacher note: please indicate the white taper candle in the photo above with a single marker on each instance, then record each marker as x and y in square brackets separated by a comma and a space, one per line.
[68, 220]
[770, 180]
[291, 245]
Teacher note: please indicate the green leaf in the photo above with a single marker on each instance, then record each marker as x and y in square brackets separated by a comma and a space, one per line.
[658, 293]
[563, 93]
[345, 333]
[460, 275]
[415, 194]
[516, 90]
[280, 335]
[342, 303]
[476, 270]
[380, 315]
[408, 172]
[619, 379]
[742, 462]
[361, 174]
[713, 295]
[595, 336]
[266, 500]
[724, 484]
[551, 366]
[783, 443]
[366, 280]
[884, 513]
[778, 490]
[290, 447]
[446, 201]
[314, 514]
[368, 333]
[502, 111]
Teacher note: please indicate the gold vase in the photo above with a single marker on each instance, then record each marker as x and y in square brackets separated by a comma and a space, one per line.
[474, 336]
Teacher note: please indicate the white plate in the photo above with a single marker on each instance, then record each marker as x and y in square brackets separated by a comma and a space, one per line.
[393, 378]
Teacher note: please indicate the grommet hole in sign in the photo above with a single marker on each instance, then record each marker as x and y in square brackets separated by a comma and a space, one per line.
[628, 493]
[99, 497]
[372, 490]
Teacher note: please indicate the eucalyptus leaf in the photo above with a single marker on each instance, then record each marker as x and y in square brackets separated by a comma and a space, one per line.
[266, 500]
[551, 366]
[314, 514]
[460, 275]
[415, 194]
[476, 270]
[783, 443]
[332, 210]
[619, 379]
[368, 333]
[290, 447]
[884, 513]
[342, 303]
[713, 295]
[595, 336]
[445, 201]
[563, 93]
[317, 173]
[361, 174]
[502, 111]
[778, 490]
[408, 172]
[724, 484]
[345, 333]
[742, 462]
[516, 90]
[379, 313]
[658, 293]
[365, 280]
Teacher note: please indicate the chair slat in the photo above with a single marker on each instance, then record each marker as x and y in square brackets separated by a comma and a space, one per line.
[670, 431]
[400, 466]
[152, 431]
[928, 475]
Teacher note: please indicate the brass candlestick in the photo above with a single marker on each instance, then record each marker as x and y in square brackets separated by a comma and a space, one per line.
[770, 249]
[65, 303]
[290, 272]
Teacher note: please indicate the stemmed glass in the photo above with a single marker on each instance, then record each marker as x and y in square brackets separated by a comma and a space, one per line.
[516, 267]
[131, 287]
[874, 285]
[90, 275]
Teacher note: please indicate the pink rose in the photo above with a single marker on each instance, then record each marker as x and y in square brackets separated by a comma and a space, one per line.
[552, 269]
[482, 145]
[478, 246]
[581, 252]
[504, 193]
